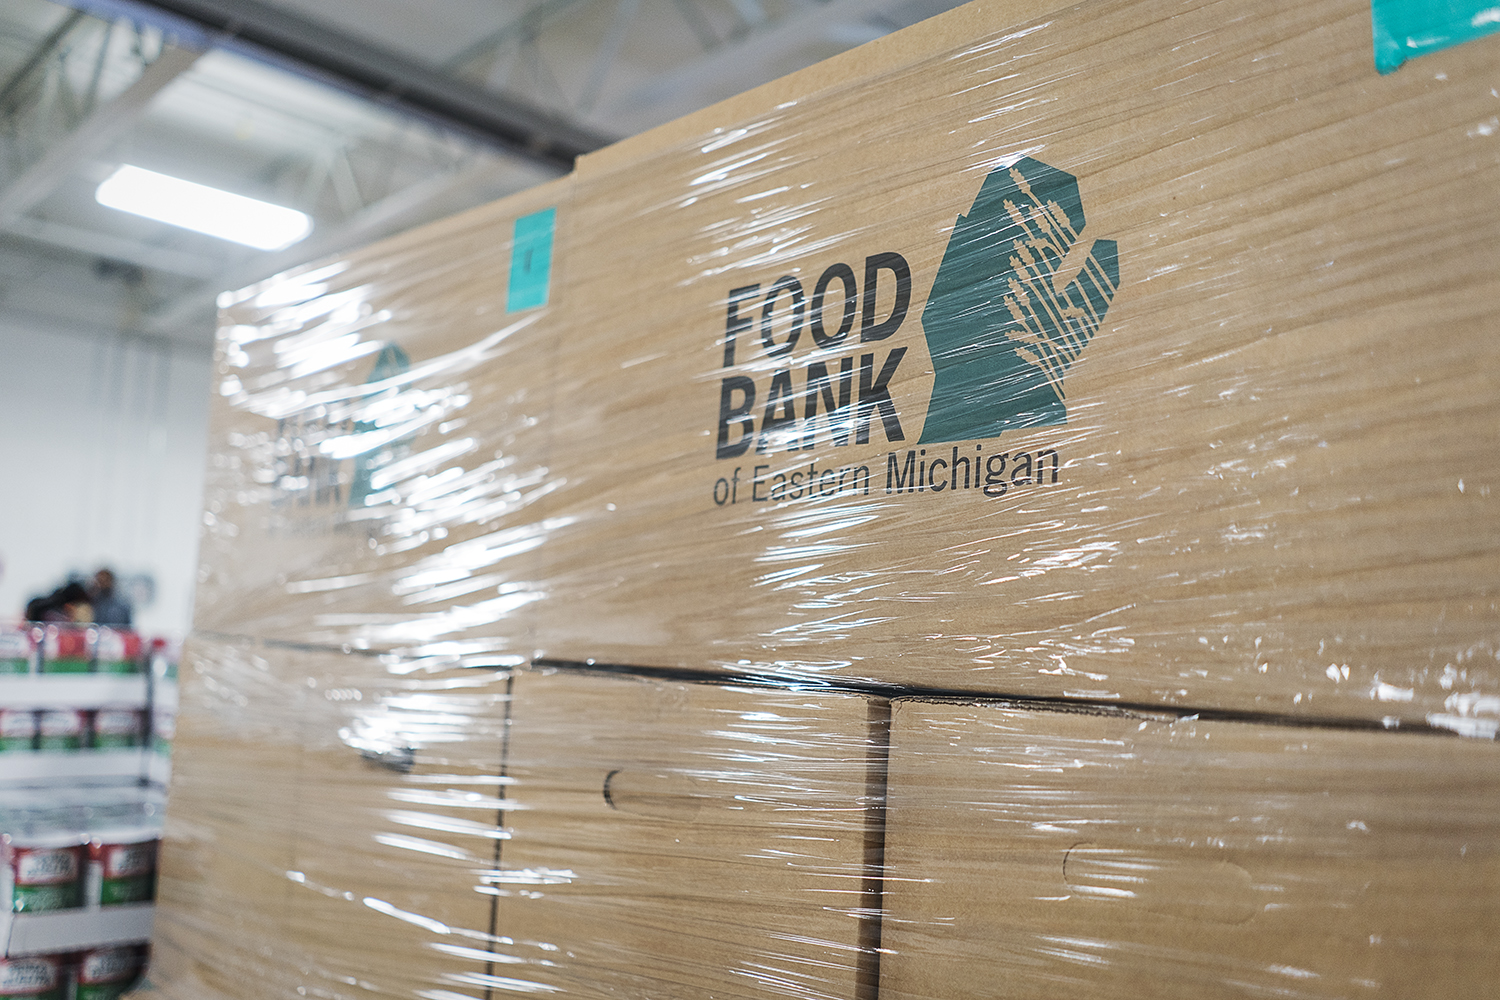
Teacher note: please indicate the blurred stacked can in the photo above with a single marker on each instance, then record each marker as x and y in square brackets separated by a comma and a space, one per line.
[34, 977]
[43, 872]
[106, 973]
[17, 729]
[117, 728]
[117, 652]
[60, 729]
[65, 870]
[68, 649]
[17, 649]
[122, 868]
[99, 974]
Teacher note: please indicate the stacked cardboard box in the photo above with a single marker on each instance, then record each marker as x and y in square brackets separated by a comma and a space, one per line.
[374, 826]
[1153, 857]
[1128, 366]
[1205, 299]
[380, 441]
[1253, 472]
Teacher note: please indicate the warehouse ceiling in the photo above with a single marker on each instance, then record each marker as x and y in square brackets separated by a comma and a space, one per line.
[370, 116]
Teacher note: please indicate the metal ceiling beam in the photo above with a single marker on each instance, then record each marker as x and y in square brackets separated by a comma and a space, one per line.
[313, 48]
[748, 61]
[101, 127]
[38, 56]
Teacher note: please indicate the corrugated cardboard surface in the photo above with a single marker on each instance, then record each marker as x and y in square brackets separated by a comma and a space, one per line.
[670, 839]
[1293, 387]
[1273, 498]
[285, 845]
[579, 833]
[393, 843]
[1043, 854]
[378, 446]
[223, 897]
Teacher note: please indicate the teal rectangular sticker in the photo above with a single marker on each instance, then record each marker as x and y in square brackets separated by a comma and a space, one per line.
[1405, 29]
[531, 261]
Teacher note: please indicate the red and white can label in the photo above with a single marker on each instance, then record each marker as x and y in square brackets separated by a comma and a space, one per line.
[67, 643]
[114, 644]
[117, 652]
[16, 647]
[116, 727]
[61, 730]
[35, 976]
[44, 865]
[62, 722]
[126, 860]
[109, 965]
[17, 723]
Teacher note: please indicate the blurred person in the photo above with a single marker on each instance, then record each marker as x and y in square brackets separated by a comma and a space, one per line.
[108, 608]
[68, 603]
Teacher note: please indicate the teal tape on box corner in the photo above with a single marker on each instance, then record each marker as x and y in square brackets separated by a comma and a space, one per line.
[1405, 29]
[531, 261]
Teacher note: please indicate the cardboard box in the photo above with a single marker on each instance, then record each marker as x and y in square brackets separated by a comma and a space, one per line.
[1082, 855]
[1258, 372]
[223, 898]
[399, 803]
[677, 840]
[389, 869]
[407, 833]
[378, 439]
[331, 820]
[1248, 440]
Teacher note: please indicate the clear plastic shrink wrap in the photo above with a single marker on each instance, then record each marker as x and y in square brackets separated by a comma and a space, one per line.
[1006, 511]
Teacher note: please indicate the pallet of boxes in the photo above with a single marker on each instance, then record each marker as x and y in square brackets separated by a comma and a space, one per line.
[1005, 512]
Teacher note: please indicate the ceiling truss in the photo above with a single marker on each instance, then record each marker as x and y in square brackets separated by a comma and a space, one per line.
[553, 80]
[276, 33]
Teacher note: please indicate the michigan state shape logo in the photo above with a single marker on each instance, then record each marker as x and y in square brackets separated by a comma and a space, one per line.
[1013, 305]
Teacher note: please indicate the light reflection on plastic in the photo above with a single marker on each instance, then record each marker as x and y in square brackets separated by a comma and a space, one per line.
[381, 906]
[479, 954]
[421, 846]
[449, 799]
[494, 982]
[530, 876]
[444, 824]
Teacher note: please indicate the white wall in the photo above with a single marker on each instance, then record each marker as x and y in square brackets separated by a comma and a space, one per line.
[102, 442]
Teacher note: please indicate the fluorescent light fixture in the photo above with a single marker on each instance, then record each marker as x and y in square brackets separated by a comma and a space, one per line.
[203, 209]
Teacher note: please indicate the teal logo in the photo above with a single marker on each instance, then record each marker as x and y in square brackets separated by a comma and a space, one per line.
[391, 362]
[1001, 326]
